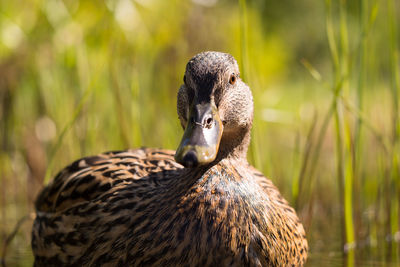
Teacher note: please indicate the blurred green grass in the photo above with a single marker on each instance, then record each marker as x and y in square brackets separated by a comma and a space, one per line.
[83, 77]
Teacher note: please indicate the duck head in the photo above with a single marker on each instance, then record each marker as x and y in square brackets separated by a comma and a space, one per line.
[215, 108]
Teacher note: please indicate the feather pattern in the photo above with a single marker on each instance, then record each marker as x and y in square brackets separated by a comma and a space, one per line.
[118, 208]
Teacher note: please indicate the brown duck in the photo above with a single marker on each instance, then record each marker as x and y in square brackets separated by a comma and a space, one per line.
[143, 208]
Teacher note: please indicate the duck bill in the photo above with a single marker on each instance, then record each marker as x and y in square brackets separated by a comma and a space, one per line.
[200, 142]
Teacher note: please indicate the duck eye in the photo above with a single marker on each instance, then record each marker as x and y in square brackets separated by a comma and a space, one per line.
[232, 79]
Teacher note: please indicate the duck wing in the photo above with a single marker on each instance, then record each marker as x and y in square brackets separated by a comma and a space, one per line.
[92, 177]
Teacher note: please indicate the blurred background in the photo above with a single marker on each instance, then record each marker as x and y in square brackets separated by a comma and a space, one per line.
[82, 77]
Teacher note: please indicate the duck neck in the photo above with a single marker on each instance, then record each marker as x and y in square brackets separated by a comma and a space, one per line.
[234, 145]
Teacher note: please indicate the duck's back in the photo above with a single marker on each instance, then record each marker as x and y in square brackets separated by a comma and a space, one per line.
[140, 207]
[90, 203]
[92, 177]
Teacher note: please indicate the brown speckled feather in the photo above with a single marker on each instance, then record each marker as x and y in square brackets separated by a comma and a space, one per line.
[90, 177]
[140, 207]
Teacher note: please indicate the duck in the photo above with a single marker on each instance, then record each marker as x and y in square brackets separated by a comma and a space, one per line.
[201, 205]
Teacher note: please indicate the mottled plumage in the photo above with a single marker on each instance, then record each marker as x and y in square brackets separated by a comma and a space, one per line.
[140, 207]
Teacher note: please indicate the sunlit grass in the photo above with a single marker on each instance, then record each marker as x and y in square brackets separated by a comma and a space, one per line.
[395, 157]
[82, 77]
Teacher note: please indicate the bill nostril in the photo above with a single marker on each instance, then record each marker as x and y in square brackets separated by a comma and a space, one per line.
[208, 122]
[190, 159]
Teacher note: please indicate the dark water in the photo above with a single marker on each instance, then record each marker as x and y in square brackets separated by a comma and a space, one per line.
[22, 256]
[335, 259]
[19, 251]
